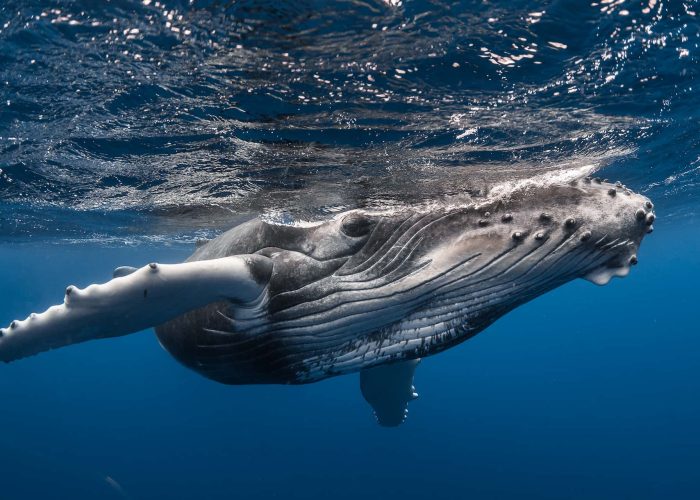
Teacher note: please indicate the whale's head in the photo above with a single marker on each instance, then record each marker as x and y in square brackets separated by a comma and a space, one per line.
[615, 222]
[592, 229]
[551, 234]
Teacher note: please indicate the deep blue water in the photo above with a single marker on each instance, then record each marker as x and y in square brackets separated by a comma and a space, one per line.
[128, 129]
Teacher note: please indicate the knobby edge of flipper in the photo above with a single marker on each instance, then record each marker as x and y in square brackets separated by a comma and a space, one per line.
[135, 301]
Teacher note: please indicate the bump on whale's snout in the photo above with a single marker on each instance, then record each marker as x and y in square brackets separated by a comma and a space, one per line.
[624, 219]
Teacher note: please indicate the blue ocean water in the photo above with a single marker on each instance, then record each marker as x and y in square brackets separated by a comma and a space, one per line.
[128, 129]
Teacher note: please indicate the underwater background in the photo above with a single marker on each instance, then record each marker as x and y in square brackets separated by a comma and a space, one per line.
[129, 129]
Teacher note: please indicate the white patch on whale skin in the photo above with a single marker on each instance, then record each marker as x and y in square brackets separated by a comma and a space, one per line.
[603, 275]
[144, 298]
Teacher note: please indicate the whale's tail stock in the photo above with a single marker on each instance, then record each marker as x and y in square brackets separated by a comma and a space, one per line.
[134, 300]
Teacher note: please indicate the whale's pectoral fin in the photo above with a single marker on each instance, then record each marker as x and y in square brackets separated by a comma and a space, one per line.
[388, 389]
[134, 301]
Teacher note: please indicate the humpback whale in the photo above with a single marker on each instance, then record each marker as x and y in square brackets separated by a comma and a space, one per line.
[367, 291]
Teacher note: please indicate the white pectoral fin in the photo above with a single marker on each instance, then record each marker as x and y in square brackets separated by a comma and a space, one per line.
[134, 301]
[388, 389]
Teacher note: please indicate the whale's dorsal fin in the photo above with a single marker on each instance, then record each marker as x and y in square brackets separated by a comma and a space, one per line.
[388, 389]
[136, 300]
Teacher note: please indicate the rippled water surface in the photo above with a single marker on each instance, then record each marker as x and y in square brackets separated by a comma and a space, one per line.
[146, 118]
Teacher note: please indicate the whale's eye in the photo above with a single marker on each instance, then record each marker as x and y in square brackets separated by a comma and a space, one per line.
[355, 225]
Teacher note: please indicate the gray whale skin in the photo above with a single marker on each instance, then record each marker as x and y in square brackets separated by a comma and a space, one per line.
[372, 292]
